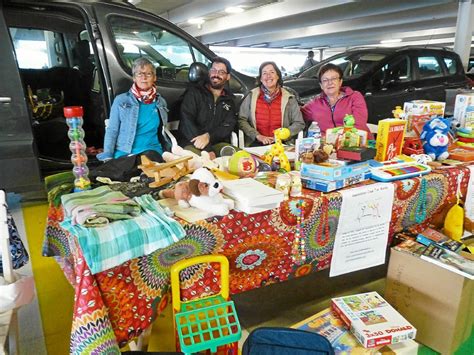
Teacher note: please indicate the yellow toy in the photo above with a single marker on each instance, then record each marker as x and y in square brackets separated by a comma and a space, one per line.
[277, 149]
[209, 322]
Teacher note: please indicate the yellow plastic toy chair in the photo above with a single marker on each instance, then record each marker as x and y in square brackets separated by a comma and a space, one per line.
[209, 322]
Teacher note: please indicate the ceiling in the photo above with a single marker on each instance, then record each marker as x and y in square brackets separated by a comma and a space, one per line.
[313, 23]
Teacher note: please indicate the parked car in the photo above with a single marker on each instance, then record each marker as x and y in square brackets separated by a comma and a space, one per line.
[389, 76]
[62, 53]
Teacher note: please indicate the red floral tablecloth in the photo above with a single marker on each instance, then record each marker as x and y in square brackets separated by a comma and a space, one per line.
[116, 305]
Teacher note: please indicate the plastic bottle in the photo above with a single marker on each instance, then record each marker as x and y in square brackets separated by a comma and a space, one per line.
[77, 146]
[314, 130]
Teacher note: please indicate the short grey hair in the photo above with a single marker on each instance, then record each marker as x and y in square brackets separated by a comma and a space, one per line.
[140, 63]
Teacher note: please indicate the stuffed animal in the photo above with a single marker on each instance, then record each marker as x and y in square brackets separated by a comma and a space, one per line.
[435, 138]
[195, 163]
[180, 192]
[205, 193]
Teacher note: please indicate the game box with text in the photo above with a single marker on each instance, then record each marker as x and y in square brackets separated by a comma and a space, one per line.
[372, 320]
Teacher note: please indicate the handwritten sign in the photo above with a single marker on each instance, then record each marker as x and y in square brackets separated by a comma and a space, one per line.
[362, 233]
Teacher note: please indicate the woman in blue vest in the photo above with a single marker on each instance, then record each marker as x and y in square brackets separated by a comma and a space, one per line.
[137, 118]
[267, 107]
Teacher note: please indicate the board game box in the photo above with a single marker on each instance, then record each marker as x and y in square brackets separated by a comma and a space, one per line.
[390, 134]
[372, 320]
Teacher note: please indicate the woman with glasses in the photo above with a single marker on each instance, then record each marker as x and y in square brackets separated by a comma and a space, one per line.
[268, 107]
[335, 101]
[137, 118]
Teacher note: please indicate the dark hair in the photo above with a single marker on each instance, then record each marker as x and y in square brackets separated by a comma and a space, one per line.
[273, 64]
[223, 61]
[327, 67]
[310, 54]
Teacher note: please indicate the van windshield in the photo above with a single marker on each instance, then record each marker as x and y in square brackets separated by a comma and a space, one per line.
[170, 54]
[352, 64]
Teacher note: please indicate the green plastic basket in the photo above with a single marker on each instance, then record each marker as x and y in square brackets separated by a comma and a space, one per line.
[207, 324]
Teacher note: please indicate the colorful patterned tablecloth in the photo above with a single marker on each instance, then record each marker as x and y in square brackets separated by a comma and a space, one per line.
[115, 306]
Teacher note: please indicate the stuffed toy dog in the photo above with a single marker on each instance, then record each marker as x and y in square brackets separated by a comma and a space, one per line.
[180, 192]
[206, 193]
[435, 138]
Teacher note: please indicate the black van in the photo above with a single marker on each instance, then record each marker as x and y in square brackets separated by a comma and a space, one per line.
[389, 76]
[63, 53]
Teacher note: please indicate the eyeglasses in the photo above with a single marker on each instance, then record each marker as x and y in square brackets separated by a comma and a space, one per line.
[142, 75]
[326, 81]
[215, 71]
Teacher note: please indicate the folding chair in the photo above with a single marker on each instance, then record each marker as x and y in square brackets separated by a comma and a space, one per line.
[285, 341]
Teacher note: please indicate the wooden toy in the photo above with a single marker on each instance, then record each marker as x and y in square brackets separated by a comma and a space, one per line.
[164, 173]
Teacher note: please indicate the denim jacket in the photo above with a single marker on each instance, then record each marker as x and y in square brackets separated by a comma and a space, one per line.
[122, 126]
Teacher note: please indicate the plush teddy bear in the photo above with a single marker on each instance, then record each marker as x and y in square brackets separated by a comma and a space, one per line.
[435, 138]
[205, 193]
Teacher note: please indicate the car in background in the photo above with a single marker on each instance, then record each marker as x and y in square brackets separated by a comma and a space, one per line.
[79, 53]
[388, 77]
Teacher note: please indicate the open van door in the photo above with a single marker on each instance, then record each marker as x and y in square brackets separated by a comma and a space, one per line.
[19, 170]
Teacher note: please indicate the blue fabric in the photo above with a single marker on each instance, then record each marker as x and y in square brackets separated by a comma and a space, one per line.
[285, 341]
[17, 249]
[123, 124]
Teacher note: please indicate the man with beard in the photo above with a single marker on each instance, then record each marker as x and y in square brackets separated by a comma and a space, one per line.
[208, 112]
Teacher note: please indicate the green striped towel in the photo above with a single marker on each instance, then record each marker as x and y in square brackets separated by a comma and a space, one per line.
[86, 206]
[112, 245]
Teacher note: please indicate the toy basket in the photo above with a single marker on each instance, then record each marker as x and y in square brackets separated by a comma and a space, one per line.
[209, 322]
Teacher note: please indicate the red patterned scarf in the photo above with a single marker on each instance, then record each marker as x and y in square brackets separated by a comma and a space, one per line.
[145, 96]
[270, 96]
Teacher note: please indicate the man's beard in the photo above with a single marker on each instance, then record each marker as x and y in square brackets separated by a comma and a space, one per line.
[217, 86]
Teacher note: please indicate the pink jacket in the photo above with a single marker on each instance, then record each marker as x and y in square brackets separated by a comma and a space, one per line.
[352, 102]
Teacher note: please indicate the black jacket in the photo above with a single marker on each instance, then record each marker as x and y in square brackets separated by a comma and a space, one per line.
[199, 114]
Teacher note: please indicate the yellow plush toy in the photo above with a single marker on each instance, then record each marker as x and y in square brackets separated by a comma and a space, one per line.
[454, 222]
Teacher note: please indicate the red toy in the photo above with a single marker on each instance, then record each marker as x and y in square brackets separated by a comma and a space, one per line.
[412, 145]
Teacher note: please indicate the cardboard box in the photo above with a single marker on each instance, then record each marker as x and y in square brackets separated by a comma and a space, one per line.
[328, 185]
[372, 320]
[333, 170]
[343, 341]
[464, 110]
[390, 134]
[423, 107]
[438, 302]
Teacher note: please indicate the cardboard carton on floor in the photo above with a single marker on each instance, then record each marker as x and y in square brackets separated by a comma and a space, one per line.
[438, 302]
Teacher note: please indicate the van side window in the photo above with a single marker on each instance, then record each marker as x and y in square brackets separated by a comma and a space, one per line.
[395, 71]
[37, 49]
[451, 65]
[170, 54]
[429, 67]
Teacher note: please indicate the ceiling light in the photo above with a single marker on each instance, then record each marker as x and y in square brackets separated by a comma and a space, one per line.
[196, 21]
[387, 41]
[234, 10]
[258, 45]
[292, 46]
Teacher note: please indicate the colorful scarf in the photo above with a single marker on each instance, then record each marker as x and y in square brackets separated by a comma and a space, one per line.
[147, 97]
[268, 96]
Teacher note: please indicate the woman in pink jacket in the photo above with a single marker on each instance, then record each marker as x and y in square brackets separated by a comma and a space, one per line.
[335, 101]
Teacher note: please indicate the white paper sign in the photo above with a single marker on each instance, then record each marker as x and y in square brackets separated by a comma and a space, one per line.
[362, 232]
[469, 204]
